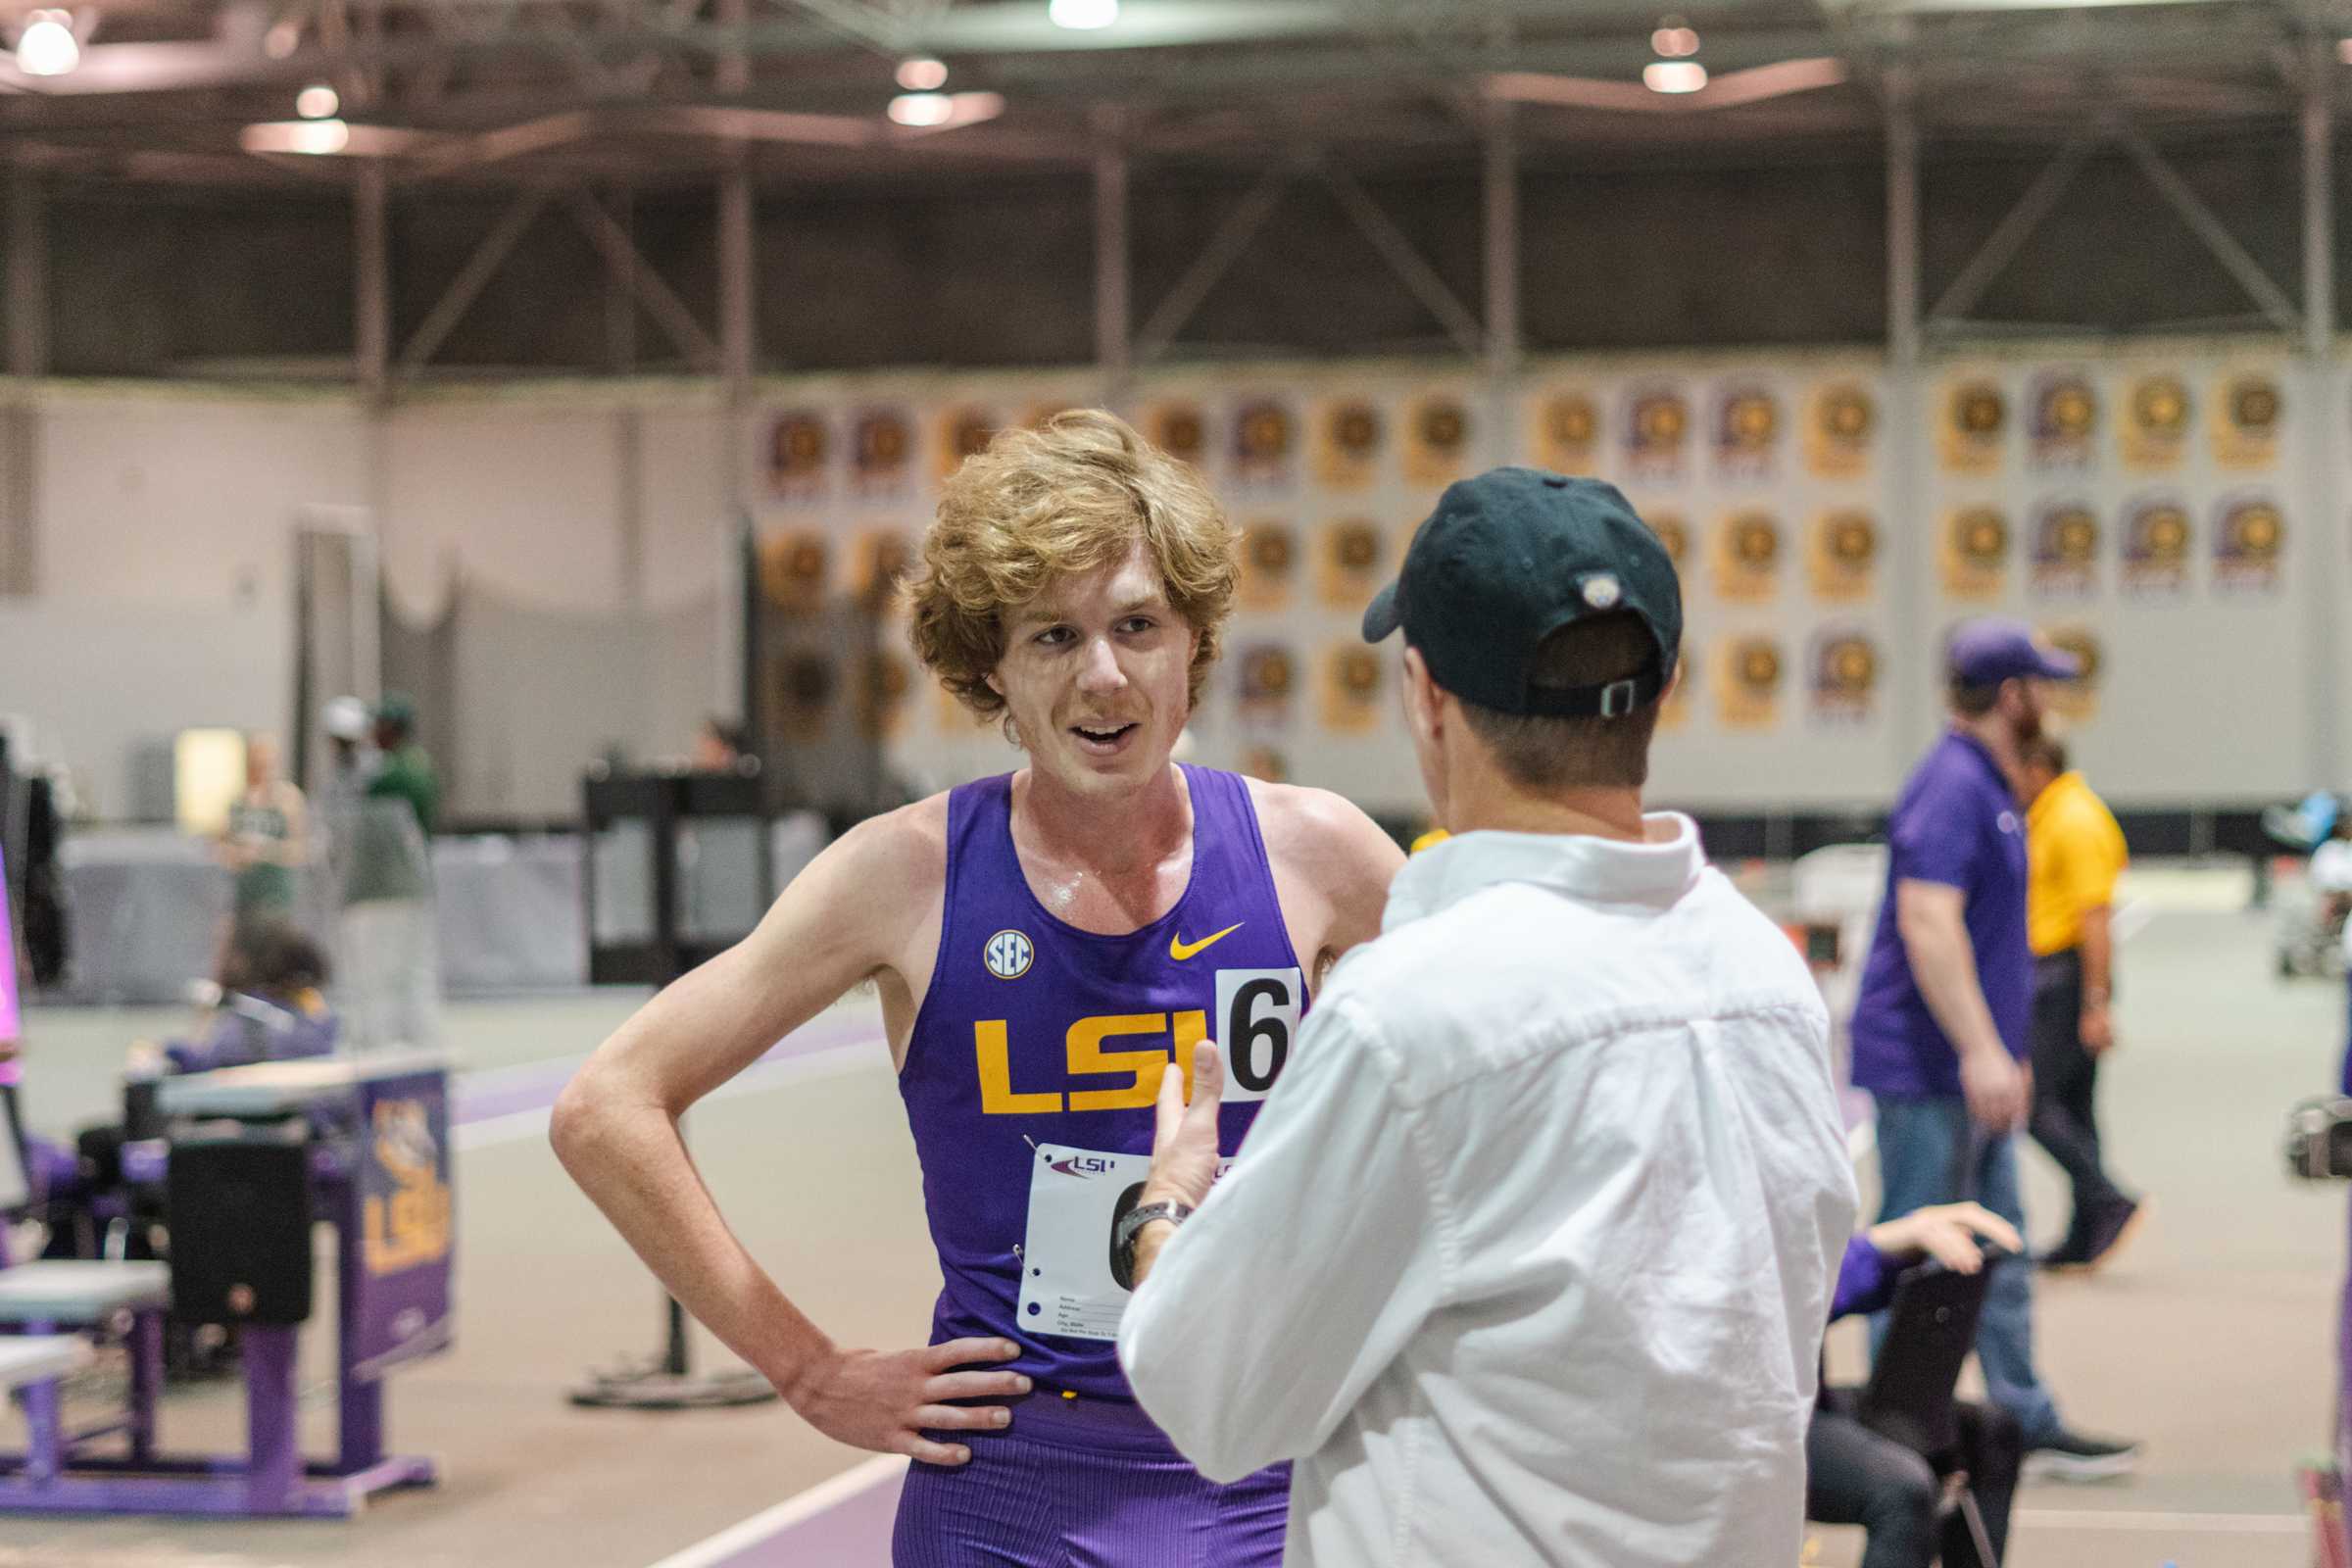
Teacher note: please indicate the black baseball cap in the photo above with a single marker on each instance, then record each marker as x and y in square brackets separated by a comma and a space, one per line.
[1509, 558]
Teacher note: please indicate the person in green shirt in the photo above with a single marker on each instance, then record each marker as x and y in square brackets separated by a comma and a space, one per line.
[406, 771]
[266, 842]
[390, 956]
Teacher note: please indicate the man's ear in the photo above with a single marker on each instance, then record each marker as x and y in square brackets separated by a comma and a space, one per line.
[1423, 700]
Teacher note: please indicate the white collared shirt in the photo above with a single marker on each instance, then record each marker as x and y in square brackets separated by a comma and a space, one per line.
[1528, 1255]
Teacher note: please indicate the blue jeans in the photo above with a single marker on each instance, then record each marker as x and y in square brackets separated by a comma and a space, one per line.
[1922, 1147]
[2348, 1035]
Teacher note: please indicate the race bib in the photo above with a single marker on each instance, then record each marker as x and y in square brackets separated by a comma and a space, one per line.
[1076, 1200]
[1256, 1021]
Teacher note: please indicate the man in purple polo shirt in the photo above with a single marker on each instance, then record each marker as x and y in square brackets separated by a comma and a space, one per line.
[1943, 1027]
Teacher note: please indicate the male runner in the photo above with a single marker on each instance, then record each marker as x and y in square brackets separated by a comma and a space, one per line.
[1043, 943]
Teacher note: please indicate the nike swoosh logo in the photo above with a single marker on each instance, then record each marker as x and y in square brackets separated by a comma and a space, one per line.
[1181, 950]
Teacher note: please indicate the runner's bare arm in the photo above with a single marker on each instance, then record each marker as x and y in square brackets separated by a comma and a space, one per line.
[851, 914]
[1332, 869]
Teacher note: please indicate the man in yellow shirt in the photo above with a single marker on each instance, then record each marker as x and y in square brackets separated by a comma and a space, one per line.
[2074, 852]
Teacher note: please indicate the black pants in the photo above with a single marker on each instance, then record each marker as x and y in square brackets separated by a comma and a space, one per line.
[2066, 1081]
[1855, 1477]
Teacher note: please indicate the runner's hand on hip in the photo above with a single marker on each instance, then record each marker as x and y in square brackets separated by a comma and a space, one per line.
[885, 1399]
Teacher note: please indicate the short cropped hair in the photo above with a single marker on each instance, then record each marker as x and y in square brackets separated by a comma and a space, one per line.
[1040, 505]
[1973, 701]
[1543, 755]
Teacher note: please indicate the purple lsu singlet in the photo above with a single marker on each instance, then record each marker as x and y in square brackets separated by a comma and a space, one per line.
[1034, 1063]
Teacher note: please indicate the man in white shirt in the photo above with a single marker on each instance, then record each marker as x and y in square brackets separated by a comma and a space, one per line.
[1528, 1257]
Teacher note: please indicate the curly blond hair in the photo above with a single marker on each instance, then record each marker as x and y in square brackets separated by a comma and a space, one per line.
[1040, 505]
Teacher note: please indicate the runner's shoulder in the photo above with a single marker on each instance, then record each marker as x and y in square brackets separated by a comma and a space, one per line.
[891, 864]
[1322, 834]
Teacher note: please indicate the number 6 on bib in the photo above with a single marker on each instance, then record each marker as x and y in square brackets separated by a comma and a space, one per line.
[1257, 1018]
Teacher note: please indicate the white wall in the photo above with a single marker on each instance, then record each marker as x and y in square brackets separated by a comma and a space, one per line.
[164, 525]
[97, 686]
[164, 576]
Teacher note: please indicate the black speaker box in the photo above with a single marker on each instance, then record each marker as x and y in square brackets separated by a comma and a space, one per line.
[238, 1206]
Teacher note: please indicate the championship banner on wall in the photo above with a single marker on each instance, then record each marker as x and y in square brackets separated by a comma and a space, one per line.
[1351, 688]
[1973, 428]
[1975, 554]
[2156, 543]
[1843, 557]
[1673, 532]
[1042, 412]
[1566, 434]
[883, 686]
[800, 695]
[881, 560]
[1748, 556]
[1265, 441]
[1178, 428]
[1845, 666]
[1657, 433]
[1747, 687]
[1267, 674]
[2066, 551]
[1436, 444]
[1269, 564]
[2154, 432]
[1349, 563]
[964, 432]
[2246, 416]
[795, 569]
[1348, 435]
[881, 451]
[798, 444]
[1840, 418]
[2078, 701]
[2249, 533]
[1746, 431]
[2062, 422]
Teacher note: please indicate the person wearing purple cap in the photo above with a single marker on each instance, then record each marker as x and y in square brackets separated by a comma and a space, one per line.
[1944, 1028]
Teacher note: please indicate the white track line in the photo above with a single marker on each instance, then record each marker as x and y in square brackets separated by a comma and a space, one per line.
[2203, 1524]
[518, 1126]
[2133, 918]
[795, 1510]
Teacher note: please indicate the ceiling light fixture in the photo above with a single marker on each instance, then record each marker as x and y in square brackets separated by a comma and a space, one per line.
[47, 46]
[318, 101]
[922, 73]
[282, 39]
[1675, 39]
[1673, 76]
[1083, 15]
[317, 139]
[922, 109]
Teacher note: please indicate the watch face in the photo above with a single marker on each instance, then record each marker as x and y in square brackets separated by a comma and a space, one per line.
[1122, 1256]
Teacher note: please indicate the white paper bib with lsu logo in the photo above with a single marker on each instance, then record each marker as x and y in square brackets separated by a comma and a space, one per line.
[1077, 1196]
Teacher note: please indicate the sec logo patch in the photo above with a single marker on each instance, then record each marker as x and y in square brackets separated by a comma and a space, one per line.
[1008, 954]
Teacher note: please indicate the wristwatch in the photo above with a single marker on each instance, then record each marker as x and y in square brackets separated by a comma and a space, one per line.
[1131, 1225]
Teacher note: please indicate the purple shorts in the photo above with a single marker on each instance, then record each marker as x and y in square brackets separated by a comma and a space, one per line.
[1083, 1484]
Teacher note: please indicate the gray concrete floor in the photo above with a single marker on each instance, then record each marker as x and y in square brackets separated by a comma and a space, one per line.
[2212, 1339]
